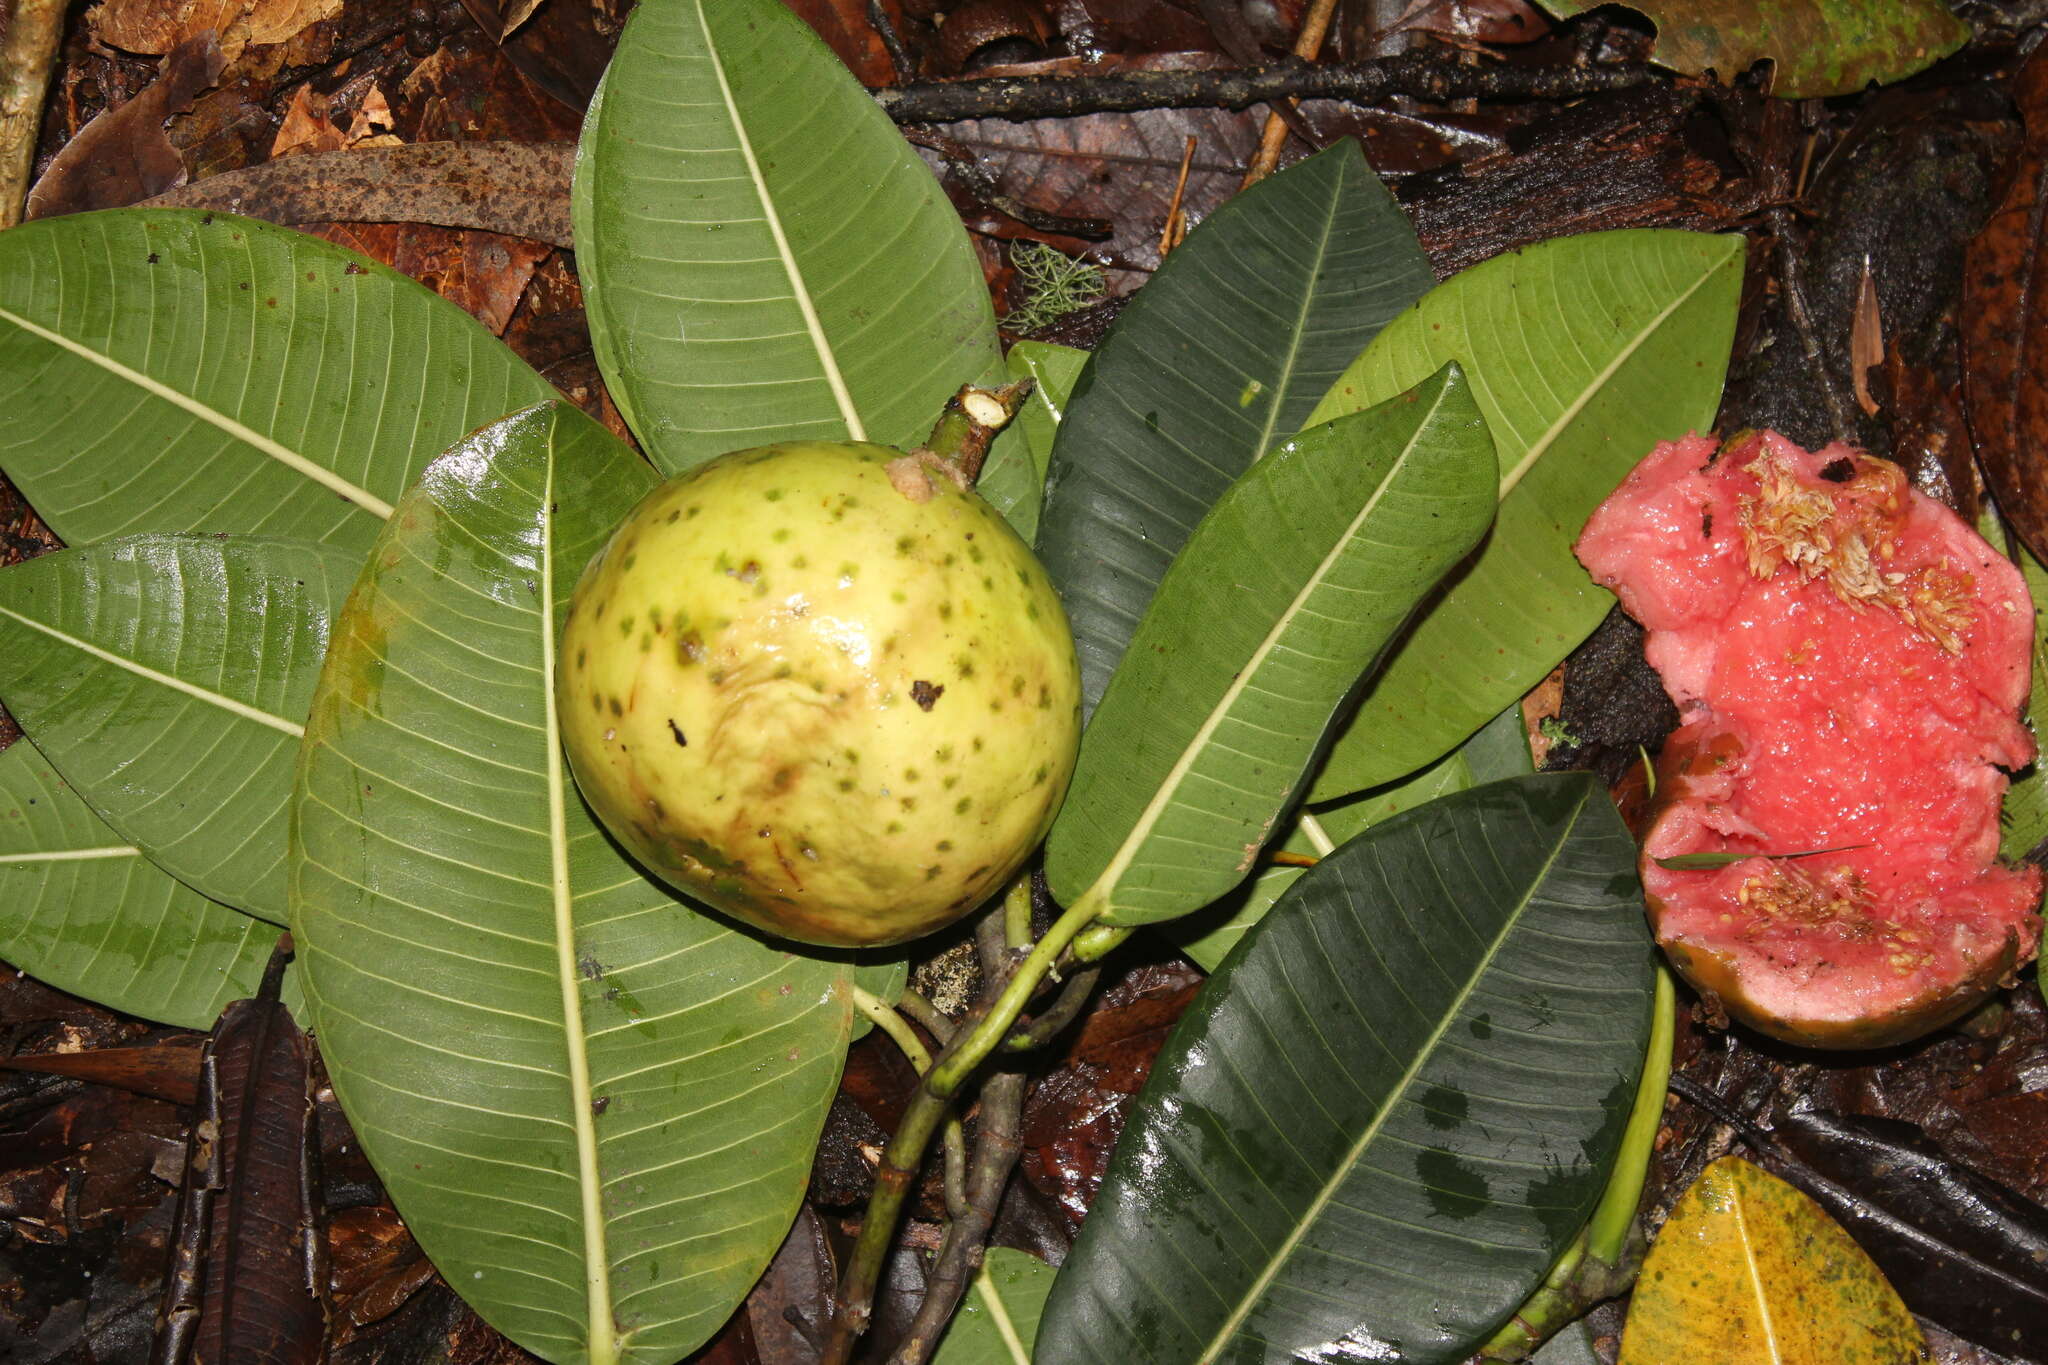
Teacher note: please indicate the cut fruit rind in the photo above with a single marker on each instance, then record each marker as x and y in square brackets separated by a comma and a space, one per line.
[1849, 660]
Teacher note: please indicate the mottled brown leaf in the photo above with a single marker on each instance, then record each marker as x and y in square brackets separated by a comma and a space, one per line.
[122, 157]
[2005, 328]
[515, 189]
[484, 272]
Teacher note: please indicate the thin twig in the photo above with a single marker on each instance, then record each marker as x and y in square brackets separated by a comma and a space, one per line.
[997, 1144]
[1177, 221]
[899, 59]
[926, 1014]
[1315, 25]
[1072, 998]
[1419, 75]
[34, 30]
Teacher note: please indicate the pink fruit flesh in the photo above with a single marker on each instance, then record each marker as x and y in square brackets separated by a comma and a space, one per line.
[1849, 661]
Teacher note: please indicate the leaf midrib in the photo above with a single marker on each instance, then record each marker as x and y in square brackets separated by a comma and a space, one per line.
[603, 1340]
[1308, 297]
[148, 674]
[820, 343]
[1538, 447]
[1423, 1054]
[248, 435]
[1104, 887]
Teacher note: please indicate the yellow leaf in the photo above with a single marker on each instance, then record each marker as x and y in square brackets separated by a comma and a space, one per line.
[1749, 1271]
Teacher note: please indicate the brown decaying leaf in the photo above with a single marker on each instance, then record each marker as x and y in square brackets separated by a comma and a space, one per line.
[1072, 1120]
[249, 1280]
[2005, 327]
[519, 189]
[123, 157]
[1749, 1271]
[792, 1303]
[485, 272]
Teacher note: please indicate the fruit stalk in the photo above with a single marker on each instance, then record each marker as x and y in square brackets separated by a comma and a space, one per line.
[960, 439]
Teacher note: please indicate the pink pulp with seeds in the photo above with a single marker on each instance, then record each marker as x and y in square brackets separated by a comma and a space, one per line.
[1849, 660]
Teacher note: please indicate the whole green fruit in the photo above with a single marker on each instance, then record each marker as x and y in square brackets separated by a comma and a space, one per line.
[835, 712]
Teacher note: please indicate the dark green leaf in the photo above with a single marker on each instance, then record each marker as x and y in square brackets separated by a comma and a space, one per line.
[1218, 359]
[1391, 1107]
[1584, 352]
[170, 370]
[1286, 592]
[167, 679]
[594, 1105]
[764, 256]
[87, 913]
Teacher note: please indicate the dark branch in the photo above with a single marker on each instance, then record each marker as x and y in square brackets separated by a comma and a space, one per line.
[1416, 74]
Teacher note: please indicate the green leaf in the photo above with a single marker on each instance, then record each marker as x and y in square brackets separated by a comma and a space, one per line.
[1816, 47]
[170, 370]
[1701, 862]
[1214, 362]
[765, 257]
[1390, 1109]
[1500, 749]
[2024, 819]
[167, 679]
[87, 913]
[1749, 1271]
[998, 1320]
[1283, 596]
[594, 1105]
[1013, 480]
[1583, 352]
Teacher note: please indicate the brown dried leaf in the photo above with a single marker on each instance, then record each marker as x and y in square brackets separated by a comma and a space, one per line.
[307, 127]
[2005, 328]
[800, 1281]
[157, 26]
[122, 156]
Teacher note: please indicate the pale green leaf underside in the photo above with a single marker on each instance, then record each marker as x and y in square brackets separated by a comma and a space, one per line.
[167, 678]
[1583, 352]
[85, 912]
[593, 1104]
[1501, 749]
[766, 259]
[170, 370]
[1390, 1109]
[998, 1319]
[1279, 602]
[1215, 361]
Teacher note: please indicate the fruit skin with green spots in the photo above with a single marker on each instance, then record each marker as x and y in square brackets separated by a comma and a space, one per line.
[831, 711]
